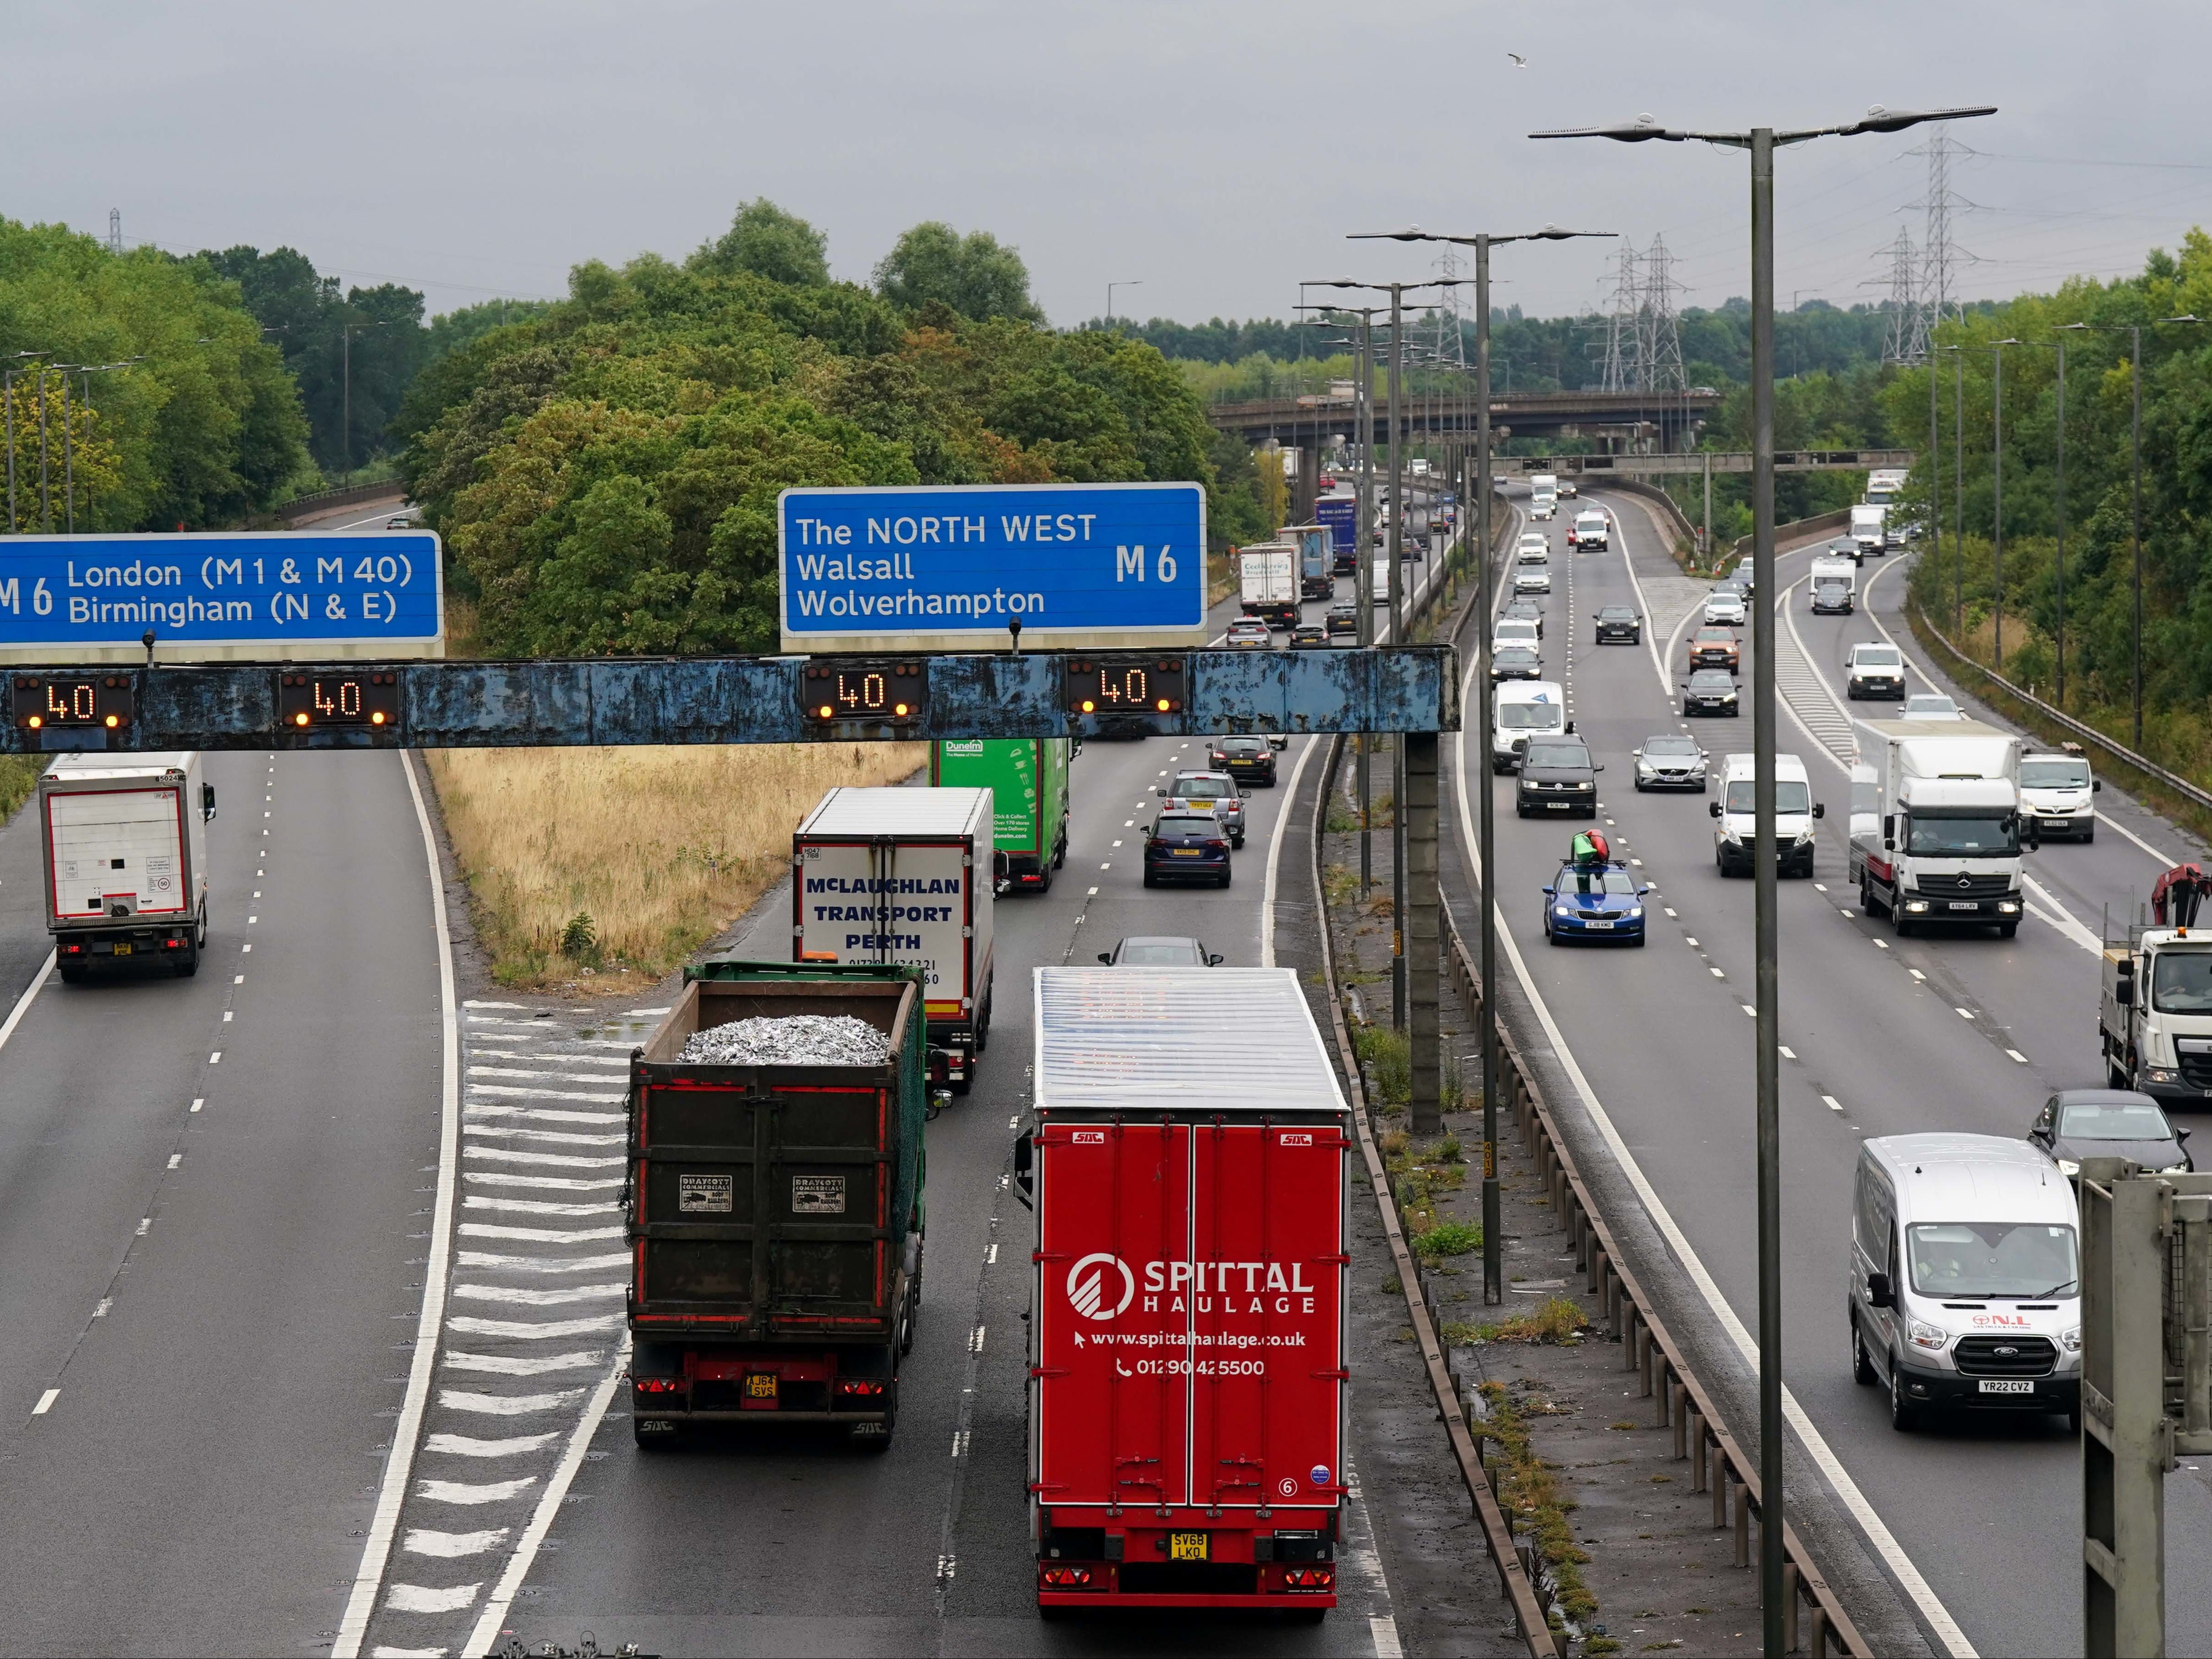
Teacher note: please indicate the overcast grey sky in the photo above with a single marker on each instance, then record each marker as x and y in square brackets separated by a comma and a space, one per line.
[1217, 152]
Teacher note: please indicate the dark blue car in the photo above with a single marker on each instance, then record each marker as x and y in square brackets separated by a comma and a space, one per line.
[1593, 902]
[1187, 847]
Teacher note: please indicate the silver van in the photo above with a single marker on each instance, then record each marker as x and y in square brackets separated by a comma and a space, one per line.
[1966, 1277]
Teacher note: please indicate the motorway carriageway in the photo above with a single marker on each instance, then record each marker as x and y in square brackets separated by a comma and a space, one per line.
[1972, 1527]
[224, 1194]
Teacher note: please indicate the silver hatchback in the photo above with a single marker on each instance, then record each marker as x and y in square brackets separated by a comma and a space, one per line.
[1209, 792]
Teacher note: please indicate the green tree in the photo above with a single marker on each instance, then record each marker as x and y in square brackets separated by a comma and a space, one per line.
[974, 276]
[769, 242]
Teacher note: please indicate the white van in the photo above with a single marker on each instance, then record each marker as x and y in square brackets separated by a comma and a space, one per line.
[1734, 815]
[1516, 630]
[1522, 709]
[2055, 786]
[1966, 1277]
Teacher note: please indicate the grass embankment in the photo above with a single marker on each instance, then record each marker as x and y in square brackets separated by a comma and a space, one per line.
[606, 868]
[19, 776]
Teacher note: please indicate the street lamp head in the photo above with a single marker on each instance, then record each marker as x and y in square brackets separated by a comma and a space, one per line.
[1410, 234]
[2185, 316]
[1878, 119]
[1642, 130]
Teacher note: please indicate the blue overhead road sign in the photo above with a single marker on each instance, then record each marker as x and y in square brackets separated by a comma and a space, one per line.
[243, 594]
[949, 568]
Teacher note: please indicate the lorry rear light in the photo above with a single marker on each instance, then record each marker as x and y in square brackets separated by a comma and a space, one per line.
[75, 950]
[1065, 1578]
[173, 944]
[860, 1388]
[658, 1385]
[1309, 1578]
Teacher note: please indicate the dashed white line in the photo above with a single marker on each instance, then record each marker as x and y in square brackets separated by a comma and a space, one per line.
[1831, 1103]
[45, 1402]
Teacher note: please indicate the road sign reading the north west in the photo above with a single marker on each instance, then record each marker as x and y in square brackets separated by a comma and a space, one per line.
[952, 567]
[86, 598]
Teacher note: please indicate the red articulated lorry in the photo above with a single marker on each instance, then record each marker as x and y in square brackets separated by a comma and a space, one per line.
[1186, 1370]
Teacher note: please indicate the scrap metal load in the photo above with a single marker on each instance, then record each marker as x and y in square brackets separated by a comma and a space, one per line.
[789, 1040]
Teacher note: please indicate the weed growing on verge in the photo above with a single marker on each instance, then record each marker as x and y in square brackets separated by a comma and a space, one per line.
[1529, 1489]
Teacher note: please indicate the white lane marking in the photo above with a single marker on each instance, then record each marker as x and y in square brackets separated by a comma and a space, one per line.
[512, 1091]
[451, 1546]
[426, 1541]
[145, 1225]
[505, 1405]
[2017, 1055]
[557, 1137]
[540, 1115]
[1846, 1489]
[481, 1640]
[419, 1598]
[1686, 939]
[45, 1402]
[1916, 973]
[228, 1016]
[215, 1059]
[557, 1160]
[503, 1364]
[1831, 1103]
[534, 1330]
[1275, 855]
[175, 1159]
[399, 1466]
[478, 1002]
[1788, 1053]
[199, 1103]
[543, 1235]
[1749, 1009]
[489, 1491]
[531, 1264]
[1881, 944]
[553, 1077]
[463, 1445]
[1963, 1013]
[534, 1207]
[1384, 1632]
[522, 1296]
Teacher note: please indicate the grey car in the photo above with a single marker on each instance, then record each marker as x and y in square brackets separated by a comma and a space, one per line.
[1209, 792]
[1669, 760]
[1159, 950]
[2081, 1123]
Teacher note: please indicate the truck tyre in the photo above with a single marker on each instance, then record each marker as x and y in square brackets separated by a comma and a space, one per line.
[2116, 1077]
[71, 973]
[189, 963]
[2006, 929]
[667, 1439]
[1862, 1361]
[1060, 852]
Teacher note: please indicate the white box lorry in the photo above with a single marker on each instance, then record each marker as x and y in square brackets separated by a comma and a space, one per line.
[1543, 494]
[1944, 844]
[125, 838]
[1832, 588]
[1268, 578]
[905, 875]
[1869, 532]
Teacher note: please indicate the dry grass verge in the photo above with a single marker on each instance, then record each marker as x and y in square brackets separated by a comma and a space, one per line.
[587, 865]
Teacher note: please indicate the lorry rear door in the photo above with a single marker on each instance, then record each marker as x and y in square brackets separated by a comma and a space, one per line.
[881, 900]
[108, 847]
[1190, 1314]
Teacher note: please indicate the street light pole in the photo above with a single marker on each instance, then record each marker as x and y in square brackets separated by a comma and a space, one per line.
[1493, 1224]
[1760, 141]
[1134, 281]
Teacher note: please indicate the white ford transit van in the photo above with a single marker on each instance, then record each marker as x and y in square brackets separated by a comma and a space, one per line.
[1522, 709]
[1966, 1277]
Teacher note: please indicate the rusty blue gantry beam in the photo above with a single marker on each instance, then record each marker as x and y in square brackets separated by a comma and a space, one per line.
[439, 704]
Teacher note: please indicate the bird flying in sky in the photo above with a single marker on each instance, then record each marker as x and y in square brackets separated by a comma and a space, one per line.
[1519, 62]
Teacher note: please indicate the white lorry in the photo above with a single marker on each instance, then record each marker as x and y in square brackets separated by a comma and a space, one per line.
[905, 875]
[1832, 588]
[125, 838]
[1543, 494]
[1944, 840]
[2156, 1016]
[1884, 484]
[1268, 578]
[1869, 532]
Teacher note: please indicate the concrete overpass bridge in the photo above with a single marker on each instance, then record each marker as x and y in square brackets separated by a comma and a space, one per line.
[1645, 420]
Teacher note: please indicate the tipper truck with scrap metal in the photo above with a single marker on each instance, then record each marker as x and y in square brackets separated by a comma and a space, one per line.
[906, 876]
[1028, 780]
[1187, 1404]
[775, 1206]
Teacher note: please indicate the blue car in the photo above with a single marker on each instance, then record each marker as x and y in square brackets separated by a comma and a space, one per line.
[1593, 902]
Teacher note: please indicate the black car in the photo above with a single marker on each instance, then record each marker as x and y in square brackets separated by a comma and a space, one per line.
[1344, 562]
[1308, 637]
[1557, 775]
[1710, 691]
[1515, 662]
[1619, 624]
[1187, 847]
[1248, 760]
[2081, 1123]
[1526, 610]
[1342, 621]
[1159, 950]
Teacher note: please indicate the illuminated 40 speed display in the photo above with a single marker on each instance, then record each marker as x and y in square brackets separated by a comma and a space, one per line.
[878, 691]
[1125, 684]
[43, 700]
[309, 699]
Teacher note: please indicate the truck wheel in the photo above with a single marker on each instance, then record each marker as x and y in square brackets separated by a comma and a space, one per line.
[1060, 853]
[2114, 1076]
[189, 963]
[662, 1439]
[71, 973]
[2006, 929]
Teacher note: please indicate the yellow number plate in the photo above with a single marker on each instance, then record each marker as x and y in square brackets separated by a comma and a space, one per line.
[1187, 1546]
[122, 950]
[761, 1385]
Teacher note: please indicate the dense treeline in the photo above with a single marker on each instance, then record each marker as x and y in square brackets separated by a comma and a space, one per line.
[2177, 487]
[606, 472]
[192, 418]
